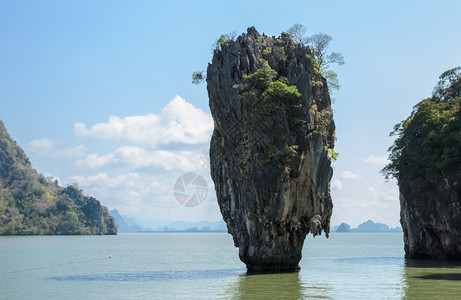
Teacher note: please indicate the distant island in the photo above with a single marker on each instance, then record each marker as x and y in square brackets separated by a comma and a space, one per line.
[368, 226]
[128, 225]
[31, 204]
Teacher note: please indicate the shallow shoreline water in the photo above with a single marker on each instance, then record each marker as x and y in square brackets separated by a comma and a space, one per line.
[206, 266]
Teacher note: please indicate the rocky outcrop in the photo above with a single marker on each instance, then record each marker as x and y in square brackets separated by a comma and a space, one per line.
[269, 153]
[431, 219]
[426, 160]
[31, 204]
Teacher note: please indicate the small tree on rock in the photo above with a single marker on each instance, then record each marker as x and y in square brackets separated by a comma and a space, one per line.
[318, 43]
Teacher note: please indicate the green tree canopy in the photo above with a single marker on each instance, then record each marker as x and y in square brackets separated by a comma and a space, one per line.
[33, 204]
[263, 77]
[449, 85]
[428, 143]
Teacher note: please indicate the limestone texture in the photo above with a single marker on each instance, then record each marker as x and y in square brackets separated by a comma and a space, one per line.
[270, 152]
[431, 219]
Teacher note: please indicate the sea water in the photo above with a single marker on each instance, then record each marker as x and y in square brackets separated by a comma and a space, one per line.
[206, 266]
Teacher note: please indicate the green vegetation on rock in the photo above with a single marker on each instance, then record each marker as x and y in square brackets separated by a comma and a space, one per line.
[263, 77]
[275, 92]
[31, 204]
[428, 145]
[269, 157]
[224, 40]
[321, 59]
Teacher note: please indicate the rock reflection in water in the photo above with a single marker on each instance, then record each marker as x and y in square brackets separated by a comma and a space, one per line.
[275, 286]
[432, 279]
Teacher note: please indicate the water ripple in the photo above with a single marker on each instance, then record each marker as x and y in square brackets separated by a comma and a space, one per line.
[388, 261]
[153, 275]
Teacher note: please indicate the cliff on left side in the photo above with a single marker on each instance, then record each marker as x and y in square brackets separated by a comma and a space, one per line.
[31, 204]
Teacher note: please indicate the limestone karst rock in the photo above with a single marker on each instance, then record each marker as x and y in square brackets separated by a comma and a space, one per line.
[426, 161]
[431, 221]
[270, 152]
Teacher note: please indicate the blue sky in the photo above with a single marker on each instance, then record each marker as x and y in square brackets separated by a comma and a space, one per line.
[99, 92]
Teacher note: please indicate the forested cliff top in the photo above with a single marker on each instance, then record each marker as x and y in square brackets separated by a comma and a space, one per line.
[31, 204]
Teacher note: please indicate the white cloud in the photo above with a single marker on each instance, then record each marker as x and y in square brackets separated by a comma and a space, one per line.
[350, 175]
[42, 146]
[78, 151]
[377, 160]
[356, 210]
[48, 147]
[136, 157]
[337, 185]
[137, 176]
[124, 190]
[103, 180]
[179, 122]
[389, 195]
[146, 196]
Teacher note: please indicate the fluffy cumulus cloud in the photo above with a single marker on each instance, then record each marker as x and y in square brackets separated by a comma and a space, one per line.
[337, 185]
[147, 196]
[104, 180]
[377, 201]
[48, 147]
[377, 160]
[127, 192]
[386, 195]
[137, 177]
[179, 122]
[350, 175]
[42, 146]
[136, 158]
[78, 151]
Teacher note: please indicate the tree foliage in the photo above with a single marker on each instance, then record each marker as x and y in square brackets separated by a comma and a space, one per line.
[33, 204]
[224, 40]
[271, 87]
[298, 31]
[428, 144]
[263, 77]
[449, 85]
[318, 44]
[198, 77]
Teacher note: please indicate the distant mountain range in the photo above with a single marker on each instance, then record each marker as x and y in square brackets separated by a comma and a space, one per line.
[368, 226]
[126, 224]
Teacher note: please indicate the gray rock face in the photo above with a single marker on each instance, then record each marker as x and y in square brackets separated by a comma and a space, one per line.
[431, 221]
[269, 153]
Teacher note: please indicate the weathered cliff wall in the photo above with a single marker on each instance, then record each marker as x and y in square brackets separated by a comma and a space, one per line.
[426, 160]
[269, 153]
[431, 220]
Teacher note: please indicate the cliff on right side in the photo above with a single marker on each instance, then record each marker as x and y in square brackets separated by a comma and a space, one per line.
[426, 160]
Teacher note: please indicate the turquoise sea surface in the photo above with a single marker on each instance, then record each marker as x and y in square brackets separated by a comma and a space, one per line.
[206, 266]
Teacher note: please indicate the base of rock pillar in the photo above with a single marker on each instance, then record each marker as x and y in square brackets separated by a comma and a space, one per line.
[252, 269]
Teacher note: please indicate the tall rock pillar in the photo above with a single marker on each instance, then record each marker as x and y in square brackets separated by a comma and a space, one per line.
[270, 149]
